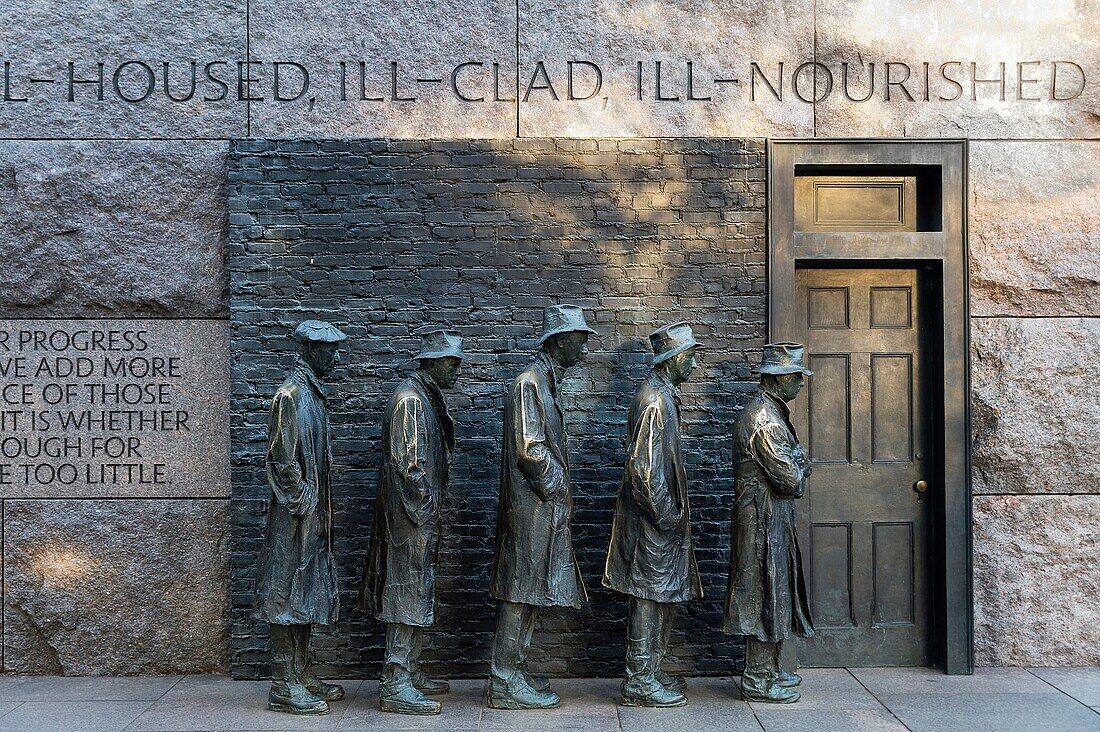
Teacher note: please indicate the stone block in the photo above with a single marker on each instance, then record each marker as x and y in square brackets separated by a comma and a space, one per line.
[1035, 228]
[115, 587]
[114, 408]
[973, 39]
[426, 41]
[1033, 405]
[1035, 580]
[133, 41]
[720, 39]
[95, 229]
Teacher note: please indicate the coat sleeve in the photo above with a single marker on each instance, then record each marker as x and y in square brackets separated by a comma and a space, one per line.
[284, 472]
[545, 474]
[646, 467]
[774, 451]
[408, 450]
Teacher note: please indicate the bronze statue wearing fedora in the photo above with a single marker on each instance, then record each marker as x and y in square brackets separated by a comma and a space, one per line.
[534, 565]
[296, 578]
[767, 601]
[399, 579]
[651, 557]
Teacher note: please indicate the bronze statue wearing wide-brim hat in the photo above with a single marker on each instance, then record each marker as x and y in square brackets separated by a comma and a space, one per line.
[671, 340]
[783, 358]
[439, 343]
[317, 331]
[562, 319]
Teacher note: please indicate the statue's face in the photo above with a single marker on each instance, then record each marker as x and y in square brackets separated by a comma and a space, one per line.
[444, 371]
[788, 385]
[322, 357]
[570, 348]
[681, 365]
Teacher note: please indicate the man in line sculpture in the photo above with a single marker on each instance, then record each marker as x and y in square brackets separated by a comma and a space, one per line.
[534, 565]
[296, 579]
[399, 581]
[651, 557]
[767, 601]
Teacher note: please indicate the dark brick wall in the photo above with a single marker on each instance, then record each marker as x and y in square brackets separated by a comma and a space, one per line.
[383, 236]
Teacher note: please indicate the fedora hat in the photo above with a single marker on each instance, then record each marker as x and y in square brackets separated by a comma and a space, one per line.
[317, 331]
[783, 358]
[440, 343]
[669, 340]
[562, 319]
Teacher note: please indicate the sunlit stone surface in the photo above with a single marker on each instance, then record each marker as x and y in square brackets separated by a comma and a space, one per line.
[987, 33]
[1035, 228]
[115, 587]
[1035, 580]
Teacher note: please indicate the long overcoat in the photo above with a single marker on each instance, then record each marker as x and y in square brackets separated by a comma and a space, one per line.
[534, 561]
[296, 578]
[417, 439]
[651, 554]
[767, 596]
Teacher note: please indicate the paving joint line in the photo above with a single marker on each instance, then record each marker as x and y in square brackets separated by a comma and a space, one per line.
[1062, 691]
[873, 696]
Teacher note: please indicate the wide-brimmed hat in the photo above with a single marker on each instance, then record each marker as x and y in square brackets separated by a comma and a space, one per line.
[670, 340]
[317, 331]
[562, 319]
[783, 358]
[440, 343]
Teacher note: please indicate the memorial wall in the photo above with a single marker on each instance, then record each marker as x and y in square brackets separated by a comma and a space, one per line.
[181, 183]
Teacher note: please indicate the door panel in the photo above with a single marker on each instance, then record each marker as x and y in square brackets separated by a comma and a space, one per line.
[865, 417]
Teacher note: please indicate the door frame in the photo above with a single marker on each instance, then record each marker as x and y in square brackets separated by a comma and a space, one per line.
[952, 624]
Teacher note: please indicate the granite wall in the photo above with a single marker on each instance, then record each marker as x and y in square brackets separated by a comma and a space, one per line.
[116, 209]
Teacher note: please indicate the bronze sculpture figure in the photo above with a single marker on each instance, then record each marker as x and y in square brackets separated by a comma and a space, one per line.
[296, 578]
[767, 601]
[534, 564]
[399, 580]
[651, 557]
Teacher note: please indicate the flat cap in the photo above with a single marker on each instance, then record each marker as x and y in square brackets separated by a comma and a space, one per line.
[317, 331]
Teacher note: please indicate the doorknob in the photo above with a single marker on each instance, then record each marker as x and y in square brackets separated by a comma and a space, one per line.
[920, 486]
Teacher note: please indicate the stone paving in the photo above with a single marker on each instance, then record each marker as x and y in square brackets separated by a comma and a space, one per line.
[869, 700]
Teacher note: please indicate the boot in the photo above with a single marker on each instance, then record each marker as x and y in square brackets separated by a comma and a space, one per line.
[643, 637]
[667, 680]
[788, 679]
[397, 694]
[431, 687]
[538, 683]
[516, 693]
[328, 692]
[636, 693]
[290, 696]
[773, 693]
[760, 680]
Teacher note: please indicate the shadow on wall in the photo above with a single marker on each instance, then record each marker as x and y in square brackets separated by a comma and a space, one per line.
[383, 236]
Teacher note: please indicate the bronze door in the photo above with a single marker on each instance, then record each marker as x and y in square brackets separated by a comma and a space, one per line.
[865, 522]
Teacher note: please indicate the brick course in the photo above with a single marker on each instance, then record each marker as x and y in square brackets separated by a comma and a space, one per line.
[383, 236]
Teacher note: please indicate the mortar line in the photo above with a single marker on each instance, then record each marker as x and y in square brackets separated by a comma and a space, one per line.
[813, 10]
[1036, 317]
[114, 317]
[248, 59]
[1030, 495]
[3, 586]
[517, 69]
[1061, 691]
[881, 703]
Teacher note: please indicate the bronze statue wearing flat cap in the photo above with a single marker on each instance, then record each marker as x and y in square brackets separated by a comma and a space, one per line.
[651, 558]
[534, 565]
[296, 579]
[766, 601]
[399, 580]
